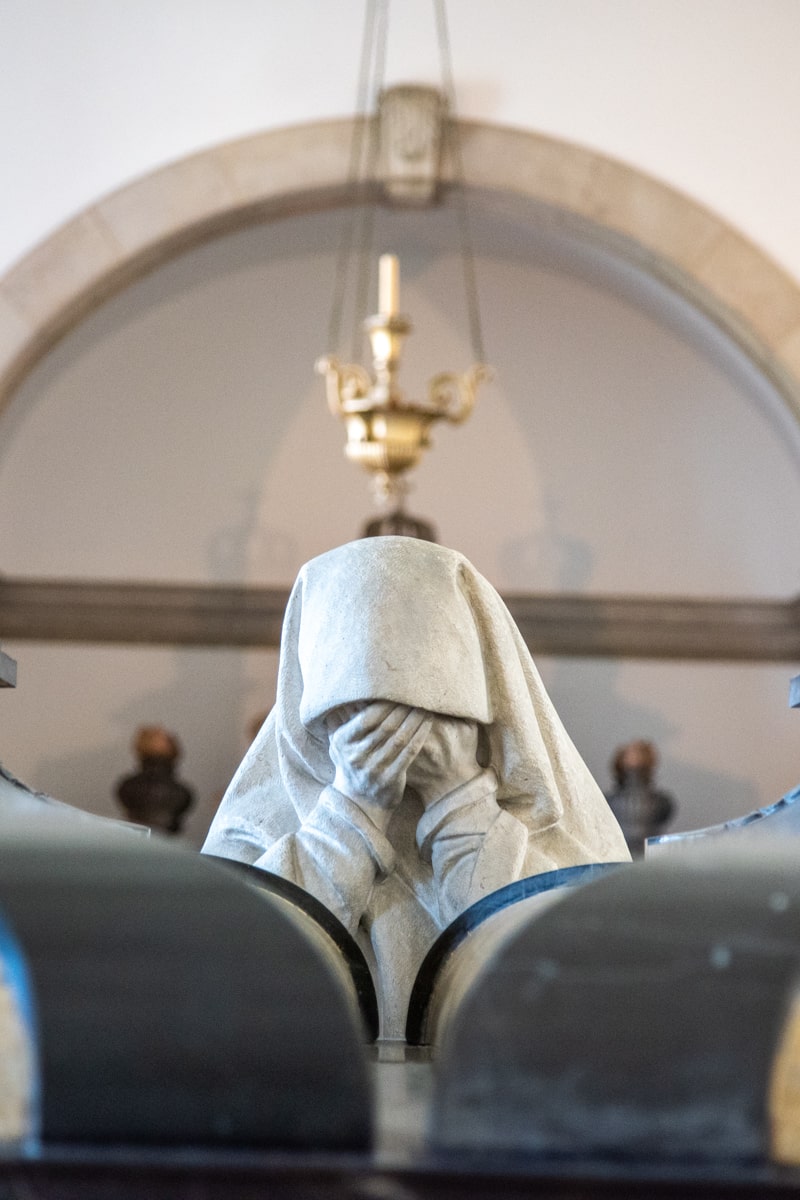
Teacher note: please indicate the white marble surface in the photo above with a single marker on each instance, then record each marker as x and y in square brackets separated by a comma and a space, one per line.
[413, 762]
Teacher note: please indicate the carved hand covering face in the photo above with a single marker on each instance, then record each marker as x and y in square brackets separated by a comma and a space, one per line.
[402, 620]
[378, 748]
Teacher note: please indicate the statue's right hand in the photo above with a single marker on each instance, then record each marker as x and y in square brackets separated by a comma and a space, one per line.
[372, 745]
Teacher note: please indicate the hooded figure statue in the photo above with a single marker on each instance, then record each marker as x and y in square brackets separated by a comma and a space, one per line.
[413, 762]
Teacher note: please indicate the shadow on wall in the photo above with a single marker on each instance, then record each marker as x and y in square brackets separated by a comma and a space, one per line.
[547, 559]
[588, 696]
[204, 693]
[249, 547]
[201, 703]
[596, 713]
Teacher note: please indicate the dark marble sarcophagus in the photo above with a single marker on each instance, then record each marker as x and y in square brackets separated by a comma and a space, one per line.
[203, 1026]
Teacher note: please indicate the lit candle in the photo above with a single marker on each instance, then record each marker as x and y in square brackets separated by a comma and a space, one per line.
[388, 285]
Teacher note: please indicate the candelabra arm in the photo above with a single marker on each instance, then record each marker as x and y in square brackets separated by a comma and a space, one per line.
[452, 396]
[347, 385]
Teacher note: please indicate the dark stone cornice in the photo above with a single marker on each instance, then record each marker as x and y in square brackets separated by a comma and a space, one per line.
[559, 624]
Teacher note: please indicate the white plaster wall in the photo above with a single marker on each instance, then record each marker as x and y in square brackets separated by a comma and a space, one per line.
[623, 447]
[728, 741]
[703, 94]
[179, 433]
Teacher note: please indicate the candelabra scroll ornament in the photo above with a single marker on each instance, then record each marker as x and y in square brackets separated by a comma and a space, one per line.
[453, 395]
[346, 385]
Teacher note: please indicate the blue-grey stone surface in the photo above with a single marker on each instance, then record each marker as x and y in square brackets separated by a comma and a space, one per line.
[177, 1005]
[635, 1020]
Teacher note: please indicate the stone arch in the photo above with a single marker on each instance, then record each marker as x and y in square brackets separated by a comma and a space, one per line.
[280, 172]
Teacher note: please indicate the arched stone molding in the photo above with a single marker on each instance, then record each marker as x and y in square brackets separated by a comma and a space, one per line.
[283, 172]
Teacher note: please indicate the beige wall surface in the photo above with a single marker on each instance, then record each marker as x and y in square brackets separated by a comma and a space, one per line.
[626, 445]
[181, 434]
[178, 433]
[702, 94]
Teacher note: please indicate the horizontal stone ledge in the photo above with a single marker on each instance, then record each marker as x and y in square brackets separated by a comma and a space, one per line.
[148, 613]
[659, 627]
[559, 624]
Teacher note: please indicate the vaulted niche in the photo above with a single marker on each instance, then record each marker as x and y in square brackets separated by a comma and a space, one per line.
[631, 481]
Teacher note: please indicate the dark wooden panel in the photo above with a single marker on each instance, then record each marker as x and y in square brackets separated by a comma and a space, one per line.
[78, 1174]
[565, 624]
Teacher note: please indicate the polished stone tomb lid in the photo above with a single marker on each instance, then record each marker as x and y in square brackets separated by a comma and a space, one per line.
[652, 1016]
[342, 952]
[177, 1005]
[464, 948]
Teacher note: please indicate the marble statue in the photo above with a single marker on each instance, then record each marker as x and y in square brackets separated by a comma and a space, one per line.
[413, 762]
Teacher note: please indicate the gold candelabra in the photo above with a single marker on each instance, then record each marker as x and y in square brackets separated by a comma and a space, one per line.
[386, 433]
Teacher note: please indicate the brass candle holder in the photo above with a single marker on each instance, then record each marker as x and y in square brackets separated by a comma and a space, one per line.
[386, 433]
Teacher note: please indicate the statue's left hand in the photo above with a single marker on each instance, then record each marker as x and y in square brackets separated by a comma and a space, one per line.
[372, 745]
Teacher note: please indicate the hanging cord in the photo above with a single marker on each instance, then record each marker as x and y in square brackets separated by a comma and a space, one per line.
[373, 55]
[470, 283]
[359, 226]
[367, 228]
